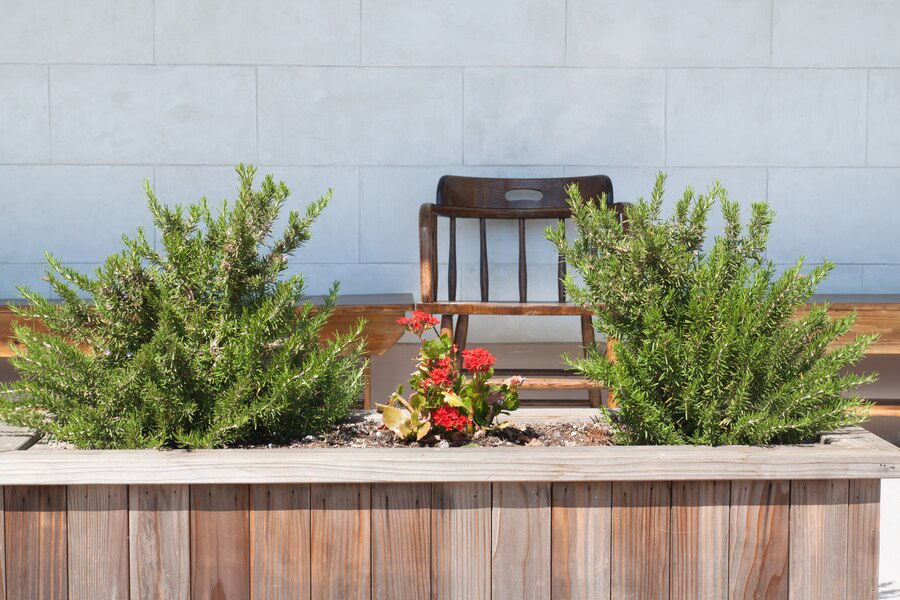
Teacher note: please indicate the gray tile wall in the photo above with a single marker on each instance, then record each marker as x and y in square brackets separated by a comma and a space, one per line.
[792, 101]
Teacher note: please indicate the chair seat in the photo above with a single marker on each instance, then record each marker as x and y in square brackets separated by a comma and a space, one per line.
[502, 308]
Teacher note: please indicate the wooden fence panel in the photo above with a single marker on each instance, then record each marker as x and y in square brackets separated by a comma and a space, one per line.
[759, 537]
[97, 524]
[520, 551]
[401, 541]
[159, 540]
[340, 541]
[862, 539]
[220, 542]
[461, 541]
[699, 540]
[279, 538]
[640, 540]
[819, 515]
[35, 527]
[580, 540]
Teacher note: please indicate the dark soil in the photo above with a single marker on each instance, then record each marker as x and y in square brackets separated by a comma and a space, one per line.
[370, 434]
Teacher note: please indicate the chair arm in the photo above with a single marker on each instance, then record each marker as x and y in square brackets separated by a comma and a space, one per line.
[620, 208]
[428, 252]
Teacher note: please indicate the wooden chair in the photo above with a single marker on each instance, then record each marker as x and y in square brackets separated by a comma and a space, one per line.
[522, 199]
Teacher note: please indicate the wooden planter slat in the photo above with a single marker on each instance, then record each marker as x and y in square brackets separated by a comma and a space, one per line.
[279, 542]
[2, 549]
[581, 520]
[819, 515]
[759, 533]
[862, 538]
[698, 542]
[220, 542]
[36, 553]
[520, 541]
[640, 540]
[97, 525]
[159, 542]
[461, 540]
[340, 541]
[401, 540]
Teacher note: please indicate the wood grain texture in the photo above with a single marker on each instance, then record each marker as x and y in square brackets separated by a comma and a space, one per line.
[410, 465]
[698, 544]
[640, 540]
[36, 553]
[97, 524]
[428, 277]
[520, 545]
[580, 540]
[818, 559]
[159, 542]
[279, 542]
[461, 541]
[340, 541]
[862, 539]
[759, 540]
[401, 541]
[220, 542]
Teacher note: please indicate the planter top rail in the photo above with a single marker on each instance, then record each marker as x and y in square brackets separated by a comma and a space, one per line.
[852, 453]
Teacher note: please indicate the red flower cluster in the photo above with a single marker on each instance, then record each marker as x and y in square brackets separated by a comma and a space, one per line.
[439, 377]
[450, 419]
[478, 359]
[419, 322]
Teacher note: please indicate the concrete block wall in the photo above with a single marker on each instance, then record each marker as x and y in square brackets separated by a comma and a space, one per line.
[796, 102]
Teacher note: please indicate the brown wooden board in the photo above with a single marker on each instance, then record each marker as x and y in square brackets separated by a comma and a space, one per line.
[640, 540]
[698, 546]
[461, 541]
[159, 539]
[862, 539]
[2, 551]
[401, 541]
[220, 542]
[279, 538]
[35, 524]
[759, 540]
[819, 514]
[580, 540]
[97, 524]
[340, 541]
[520, 547]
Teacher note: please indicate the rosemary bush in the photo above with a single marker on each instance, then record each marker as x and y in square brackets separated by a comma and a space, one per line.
[708, 351]
[196, 346]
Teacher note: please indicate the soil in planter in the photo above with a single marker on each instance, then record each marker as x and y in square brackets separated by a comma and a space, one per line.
[369, 434]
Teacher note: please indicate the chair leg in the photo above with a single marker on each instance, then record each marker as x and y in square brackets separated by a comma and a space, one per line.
[459, 338]
[588, 341]
[447, 325]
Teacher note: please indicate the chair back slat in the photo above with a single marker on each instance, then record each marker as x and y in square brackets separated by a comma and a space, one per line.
[482, 231]
[451, 263]
[523, 268]
[561, 269]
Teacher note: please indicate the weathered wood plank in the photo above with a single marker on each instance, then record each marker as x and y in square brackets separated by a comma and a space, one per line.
[640, 540]
[340, 541]
[415, 465]
[97, 524]
[699, 540]
[520, 549]
[862, 539]
[279, 538]
[580, 540]
[818, 559]
[759, 539]
[35, 524]
[2, 551]
[16, 438]
[220, 542]
[401, 541]
[461, 541]
[159, 542]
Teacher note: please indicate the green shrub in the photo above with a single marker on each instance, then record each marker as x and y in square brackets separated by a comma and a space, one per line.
[708, 350]
[196, 346]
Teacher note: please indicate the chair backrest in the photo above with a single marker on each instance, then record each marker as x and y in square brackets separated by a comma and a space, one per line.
[502, 198]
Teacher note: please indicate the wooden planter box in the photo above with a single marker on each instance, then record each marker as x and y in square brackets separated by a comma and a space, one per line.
[613, 522]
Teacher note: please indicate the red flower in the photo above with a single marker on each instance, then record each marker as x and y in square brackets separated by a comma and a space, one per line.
[438, 377]
[478, 359]
[419, 321]
[450, 419]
